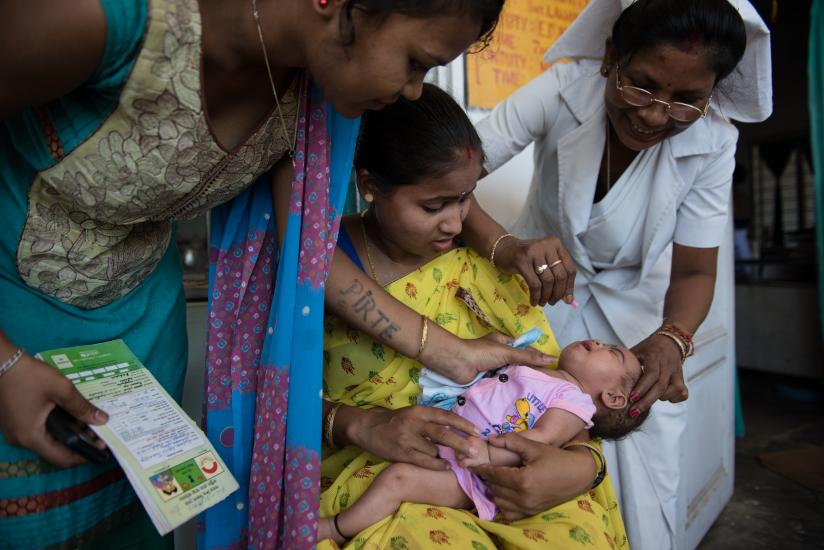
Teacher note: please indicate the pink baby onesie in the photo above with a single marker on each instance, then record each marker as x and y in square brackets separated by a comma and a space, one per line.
[511, 401]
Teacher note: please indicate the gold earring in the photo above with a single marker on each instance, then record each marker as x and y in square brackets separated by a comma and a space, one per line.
[368, 197]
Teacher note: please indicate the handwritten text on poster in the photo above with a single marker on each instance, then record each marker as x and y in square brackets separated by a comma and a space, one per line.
[515, 56]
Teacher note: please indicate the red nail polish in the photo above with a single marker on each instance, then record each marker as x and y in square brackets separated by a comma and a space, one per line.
[634, 412]
[634, 397]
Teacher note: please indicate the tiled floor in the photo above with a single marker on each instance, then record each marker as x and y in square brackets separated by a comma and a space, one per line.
[767, 510]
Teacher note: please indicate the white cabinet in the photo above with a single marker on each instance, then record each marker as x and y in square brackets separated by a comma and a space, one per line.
[708, 446]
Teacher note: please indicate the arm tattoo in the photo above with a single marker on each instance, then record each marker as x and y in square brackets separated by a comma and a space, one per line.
[364, 303]
[387, 332]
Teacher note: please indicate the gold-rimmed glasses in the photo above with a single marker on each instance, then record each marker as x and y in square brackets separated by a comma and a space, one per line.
[676, 110]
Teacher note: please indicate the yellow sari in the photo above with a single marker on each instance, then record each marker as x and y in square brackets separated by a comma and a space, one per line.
[360, 371]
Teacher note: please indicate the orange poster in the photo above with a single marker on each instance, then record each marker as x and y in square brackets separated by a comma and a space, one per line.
[515, 56]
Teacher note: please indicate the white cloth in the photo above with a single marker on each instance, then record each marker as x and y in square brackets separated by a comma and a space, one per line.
[439, 391]
[676, 191]
[613, 236]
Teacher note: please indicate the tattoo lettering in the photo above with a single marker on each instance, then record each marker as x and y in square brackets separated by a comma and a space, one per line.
[364, 305]
[381, 319]
[356, 287]
[387, 332]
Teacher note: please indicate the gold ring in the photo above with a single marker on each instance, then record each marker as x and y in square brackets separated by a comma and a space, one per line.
[556, 262]
[541, 268]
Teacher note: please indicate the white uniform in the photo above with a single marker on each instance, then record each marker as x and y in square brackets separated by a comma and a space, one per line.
[676, 191]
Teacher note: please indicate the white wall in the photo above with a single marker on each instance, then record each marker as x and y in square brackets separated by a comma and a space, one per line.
[503, 193]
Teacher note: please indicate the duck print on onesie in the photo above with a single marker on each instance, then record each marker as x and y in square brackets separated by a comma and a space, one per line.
[522, 417]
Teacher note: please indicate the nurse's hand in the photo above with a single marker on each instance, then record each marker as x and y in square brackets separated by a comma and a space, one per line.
[663, 376]
[544, 264]
[28, 393]
[410, 434]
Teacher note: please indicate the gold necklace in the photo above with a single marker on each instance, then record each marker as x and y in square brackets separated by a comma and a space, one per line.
[289, 144]
[609, 168]
[366, 246]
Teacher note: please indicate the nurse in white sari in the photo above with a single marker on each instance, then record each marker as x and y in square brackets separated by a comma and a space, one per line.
[638, 195]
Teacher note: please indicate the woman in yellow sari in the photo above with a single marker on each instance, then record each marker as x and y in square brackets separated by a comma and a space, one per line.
[406, 241]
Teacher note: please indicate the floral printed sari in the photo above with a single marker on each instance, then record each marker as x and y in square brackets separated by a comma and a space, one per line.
[360, 371]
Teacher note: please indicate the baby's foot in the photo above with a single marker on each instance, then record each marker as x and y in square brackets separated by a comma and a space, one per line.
[326, 530]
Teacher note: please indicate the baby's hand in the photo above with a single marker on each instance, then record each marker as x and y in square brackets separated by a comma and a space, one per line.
[481, 458]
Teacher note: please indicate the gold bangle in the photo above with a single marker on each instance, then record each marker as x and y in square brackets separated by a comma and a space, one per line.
[602, 467]
[424, 337]
[328, 426]
[682, 346]
[685, 336]
[495, 246]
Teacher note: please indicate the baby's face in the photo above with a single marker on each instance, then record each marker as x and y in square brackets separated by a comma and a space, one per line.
[599, 366]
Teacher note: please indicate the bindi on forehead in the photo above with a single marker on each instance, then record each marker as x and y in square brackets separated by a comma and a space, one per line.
[670, 68]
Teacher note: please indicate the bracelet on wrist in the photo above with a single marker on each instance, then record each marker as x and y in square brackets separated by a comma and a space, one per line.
[682, 347]
[424, 337]
[495, 247]
[598, 456]
[681, 338]
[11, 361]
[329, 426]
[686, 337]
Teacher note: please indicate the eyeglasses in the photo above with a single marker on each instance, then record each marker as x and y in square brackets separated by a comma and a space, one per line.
[676, 110]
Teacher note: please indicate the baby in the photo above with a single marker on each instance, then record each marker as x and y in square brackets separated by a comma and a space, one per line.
[592, 383]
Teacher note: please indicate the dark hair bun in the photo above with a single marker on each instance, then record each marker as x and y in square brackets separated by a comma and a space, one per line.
[714, 24]
[411, 140]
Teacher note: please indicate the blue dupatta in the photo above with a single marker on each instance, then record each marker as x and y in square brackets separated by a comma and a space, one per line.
[266, 316]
